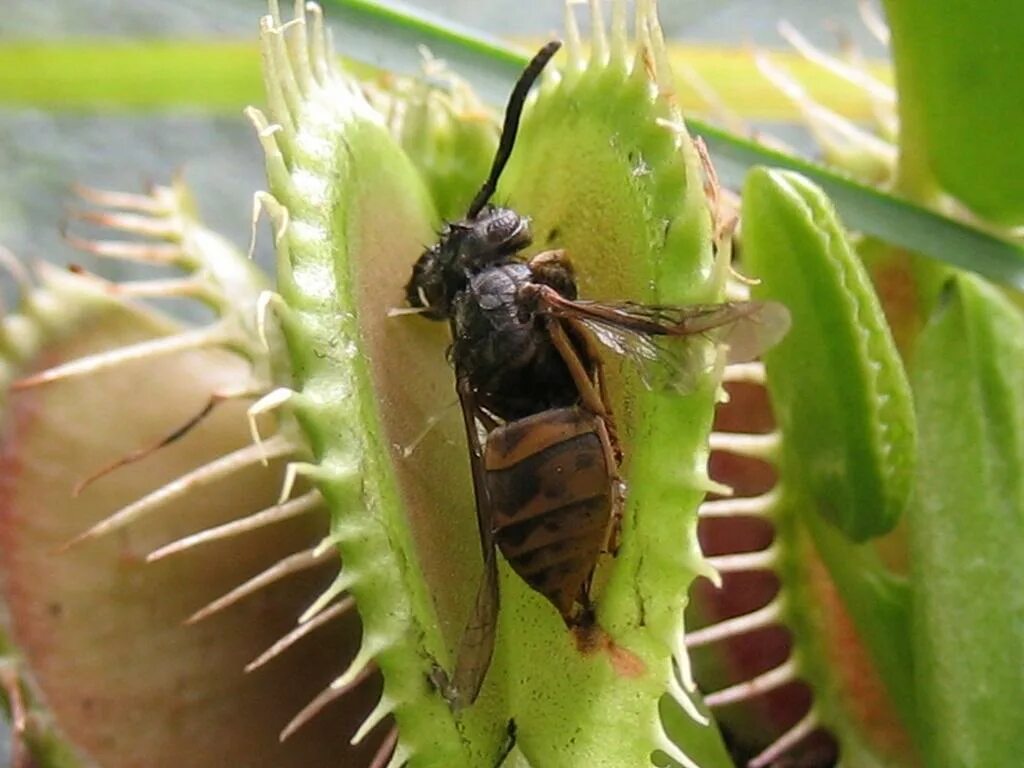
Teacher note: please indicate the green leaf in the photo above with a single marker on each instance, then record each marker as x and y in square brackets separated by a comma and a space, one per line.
[843, 406]
[838, 387]
[967, 528]
[100, 604]
[352, 216]
[961, 101]
[448, 134]
[605, 171]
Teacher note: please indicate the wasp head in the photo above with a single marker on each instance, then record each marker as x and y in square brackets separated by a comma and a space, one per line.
[493, 236]
[489, 235]
[463, 249]
[428, 288]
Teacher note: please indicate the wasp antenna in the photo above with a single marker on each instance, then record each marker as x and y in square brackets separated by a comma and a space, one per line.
[511, 126]
[141, 453]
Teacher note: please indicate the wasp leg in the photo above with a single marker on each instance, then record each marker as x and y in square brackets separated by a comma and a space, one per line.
[595, 399]
[611, 544]
[586, 616]
[553, 269]
[589, 394]
[597, 374]
[141, 453]
[510, 743]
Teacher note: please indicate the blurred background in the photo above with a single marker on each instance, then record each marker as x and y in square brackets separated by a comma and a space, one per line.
[47, 143]
[44, 151]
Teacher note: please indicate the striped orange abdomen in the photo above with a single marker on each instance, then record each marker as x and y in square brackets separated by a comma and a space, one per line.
[550, 491]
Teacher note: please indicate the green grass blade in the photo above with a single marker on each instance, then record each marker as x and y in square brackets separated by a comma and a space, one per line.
[219, 75]
[129, 76]
[876, 213]
[388, 35]
[140, 75]
[487, 63]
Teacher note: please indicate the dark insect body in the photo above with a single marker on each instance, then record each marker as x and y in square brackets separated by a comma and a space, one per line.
[544, 452]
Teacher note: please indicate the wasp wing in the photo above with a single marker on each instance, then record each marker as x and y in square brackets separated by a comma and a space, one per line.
[662, 365]
[477, 644]
[674, 345]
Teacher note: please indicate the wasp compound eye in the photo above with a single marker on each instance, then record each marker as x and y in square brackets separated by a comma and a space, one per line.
[495, 234]
[427, 288]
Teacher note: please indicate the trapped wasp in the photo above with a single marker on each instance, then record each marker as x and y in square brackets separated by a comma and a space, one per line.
[544, 450]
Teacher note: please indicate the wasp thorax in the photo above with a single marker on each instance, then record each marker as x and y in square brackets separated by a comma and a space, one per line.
[553, 268]
[464, 248]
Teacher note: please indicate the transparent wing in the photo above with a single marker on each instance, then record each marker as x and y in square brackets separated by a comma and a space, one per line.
[476, 647]
[477, 644]
[656, 368]
[663, 362]
[673, 346]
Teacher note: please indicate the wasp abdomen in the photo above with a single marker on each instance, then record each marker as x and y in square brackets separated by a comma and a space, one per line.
[551, 494]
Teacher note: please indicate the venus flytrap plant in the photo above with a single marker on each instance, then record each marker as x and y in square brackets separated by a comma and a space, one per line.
[843, 450]
[628, 204]
[345, 198]
[848, 448]
[444, 129]
[44, 313]
[99, 351]
[958, 336]
[213, 276]
[968, 372]
[904, 613]
[954, 109]
[859, 473]
[359, 180]
[351, 216]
